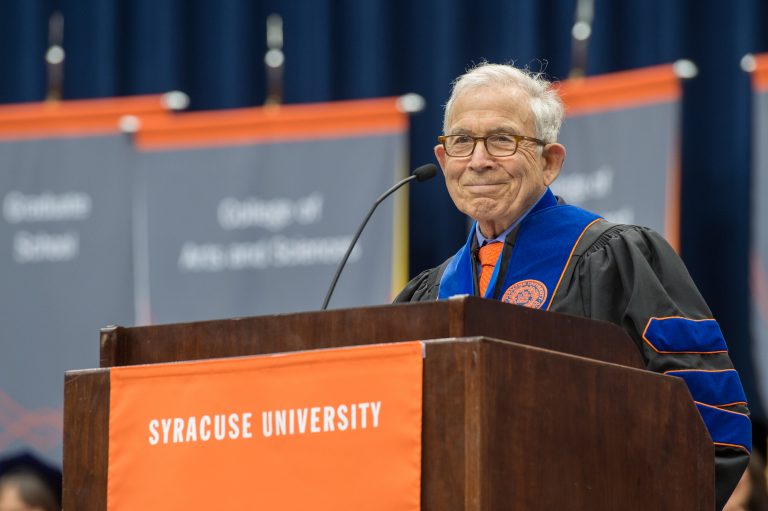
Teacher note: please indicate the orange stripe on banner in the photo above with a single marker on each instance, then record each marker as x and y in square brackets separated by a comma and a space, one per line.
[620, 90]
[760, 75]
[92, 116]
[291, 122]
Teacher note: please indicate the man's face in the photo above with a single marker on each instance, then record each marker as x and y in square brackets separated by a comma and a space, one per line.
[495, 190]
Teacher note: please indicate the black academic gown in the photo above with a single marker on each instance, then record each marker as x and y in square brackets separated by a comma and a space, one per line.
[627, 275]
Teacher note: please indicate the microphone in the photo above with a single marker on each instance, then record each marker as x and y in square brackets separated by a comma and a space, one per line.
[423, 173]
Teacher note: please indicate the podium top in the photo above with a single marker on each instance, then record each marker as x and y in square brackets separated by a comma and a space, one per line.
[464, 316]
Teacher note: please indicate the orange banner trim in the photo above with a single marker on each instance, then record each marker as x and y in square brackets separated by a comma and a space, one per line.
[760, 74]
[620, 90]
[91, 116]
[273, 123]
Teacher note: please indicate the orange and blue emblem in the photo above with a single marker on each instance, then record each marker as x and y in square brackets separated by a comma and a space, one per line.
[546, 239]
[528, 293]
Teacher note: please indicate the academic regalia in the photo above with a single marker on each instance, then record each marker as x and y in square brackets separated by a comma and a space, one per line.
[564, 259]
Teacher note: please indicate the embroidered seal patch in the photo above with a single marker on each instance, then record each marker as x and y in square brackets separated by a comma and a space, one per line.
[528, 293]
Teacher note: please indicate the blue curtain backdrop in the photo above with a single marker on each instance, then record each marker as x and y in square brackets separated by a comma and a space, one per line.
[344, 49]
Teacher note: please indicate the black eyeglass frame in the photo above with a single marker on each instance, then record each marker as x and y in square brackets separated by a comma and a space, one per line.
[443, 138]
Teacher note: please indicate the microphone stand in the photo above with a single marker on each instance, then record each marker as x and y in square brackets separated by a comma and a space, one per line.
[420, 174]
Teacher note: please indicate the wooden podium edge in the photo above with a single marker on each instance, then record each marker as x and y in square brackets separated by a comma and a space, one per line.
[461, 316]
[86, 439]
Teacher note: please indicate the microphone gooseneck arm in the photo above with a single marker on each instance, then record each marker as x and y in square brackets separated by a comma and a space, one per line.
[422, 173]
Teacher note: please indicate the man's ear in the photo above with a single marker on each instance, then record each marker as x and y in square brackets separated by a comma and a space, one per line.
[440, 155]
[554, 156]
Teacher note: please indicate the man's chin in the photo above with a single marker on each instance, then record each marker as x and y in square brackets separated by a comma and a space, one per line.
[486, 209]
[492, 217]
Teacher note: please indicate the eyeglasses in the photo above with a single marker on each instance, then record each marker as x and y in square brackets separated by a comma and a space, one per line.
[499, 144]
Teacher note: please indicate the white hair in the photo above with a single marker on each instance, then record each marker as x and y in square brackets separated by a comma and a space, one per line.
[546, 104]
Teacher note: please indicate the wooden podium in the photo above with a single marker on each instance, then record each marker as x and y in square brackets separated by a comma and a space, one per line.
[522, 409]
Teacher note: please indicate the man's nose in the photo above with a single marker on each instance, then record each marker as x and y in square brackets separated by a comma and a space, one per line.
[480, 159]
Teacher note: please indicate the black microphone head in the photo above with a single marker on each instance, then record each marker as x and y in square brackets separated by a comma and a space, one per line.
[425, 172]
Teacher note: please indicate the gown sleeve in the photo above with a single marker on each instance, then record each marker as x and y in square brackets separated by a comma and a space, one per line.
[632, 277]
[423, 287]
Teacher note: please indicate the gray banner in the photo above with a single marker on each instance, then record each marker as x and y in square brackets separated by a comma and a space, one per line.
[759, 250]
[260, 229]
[94, 233]
[617, 163]
[65, 251]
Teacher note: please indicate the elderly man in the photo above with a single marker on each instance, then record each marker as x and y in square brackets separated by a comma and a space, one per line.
[499, 154]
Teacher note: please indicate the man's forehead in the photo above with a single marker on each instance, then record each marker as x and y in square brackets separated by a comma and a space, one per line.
[499, 109]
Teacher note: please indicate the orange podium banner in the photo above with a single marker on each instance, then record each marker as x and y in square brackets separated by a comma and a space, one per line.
[324, 430]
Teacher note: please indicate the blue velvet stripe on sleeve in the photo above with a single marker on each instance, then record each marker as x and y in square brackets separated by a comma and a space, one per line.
[717, 388]
[682, 335]
[727, 428]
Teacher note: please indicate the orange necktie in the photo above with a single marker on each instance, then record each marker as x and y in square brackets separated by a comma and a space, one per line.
[488, 256]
